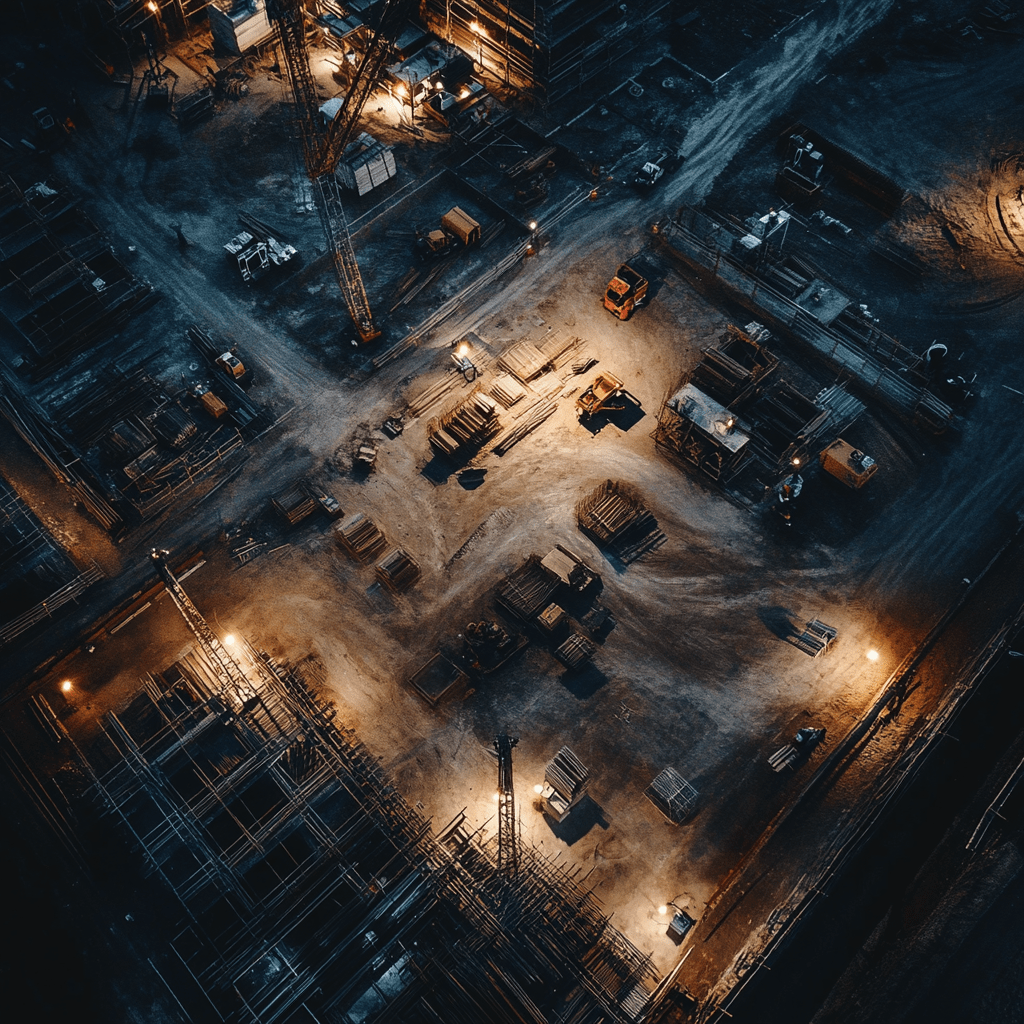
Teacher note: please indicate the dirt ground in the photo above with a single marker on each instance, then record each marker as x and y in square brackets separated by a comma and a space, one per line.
[695, 675]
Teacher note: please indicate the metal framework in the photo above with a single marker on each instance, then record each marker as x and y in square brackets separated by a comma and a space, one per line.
[311, 890]
[508, 837]
[322, 148]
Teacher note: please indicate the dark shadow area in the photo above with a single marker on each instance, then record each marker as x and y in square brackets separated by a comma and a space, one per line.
[625, 413]
[438, 470]
[471, 479]
[578, 822]
[584, 682]
[778, 621]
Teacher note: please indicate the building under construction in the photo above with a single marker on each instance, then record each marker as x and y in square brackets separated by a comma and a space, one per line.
[311, 890]
[544, 48]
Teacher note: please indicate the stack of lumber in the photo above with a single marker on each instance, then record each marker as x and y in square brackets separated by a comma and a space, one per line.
[294, 504]
[397, 570]
[360, 537]
[524, 361]
[529, 590]
[470, 425]
[535, 416]
[507, 390]
[617, 520]
[575, 650]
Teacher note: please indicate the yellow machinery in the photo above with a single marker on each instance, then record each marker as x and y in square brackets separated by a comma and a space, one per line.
[605, 388]
[848, 464]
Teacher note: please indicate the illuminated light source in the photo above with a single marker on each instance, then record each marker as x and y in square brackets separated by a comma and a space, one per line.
[152, 6]
[462, 351]
[533, 225]
[538, 789]
[477, 28]
[464, 93]
[662, 909]
[66, 686]
[497, 797]
[439, 86]
[796, 460]
[401, 90]
[230, 639]
[872, 655]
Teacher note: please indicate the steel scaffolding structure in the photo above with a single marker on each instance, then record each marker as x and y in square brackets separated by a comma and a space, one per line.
[308, 882]
[544, 48]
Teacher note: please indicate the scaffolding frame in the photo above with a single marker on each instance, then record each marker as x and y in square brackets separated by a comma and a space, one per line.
[307, 880]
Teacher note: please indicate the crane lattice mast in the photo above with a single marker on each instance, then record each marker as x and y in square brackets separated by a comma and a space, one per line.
[322, 148]
[220, 660]
[508, 833]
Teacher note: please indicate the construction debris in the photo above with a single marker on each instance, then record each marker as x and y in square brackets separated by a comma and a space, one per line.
[360, 537]
[397, 570]
[617, 520]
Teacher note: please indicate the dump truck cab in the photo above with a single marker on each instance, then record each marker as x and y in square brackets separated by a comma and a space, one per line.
[433, 243]
[599, 395]
[231, 365]
[626, 290]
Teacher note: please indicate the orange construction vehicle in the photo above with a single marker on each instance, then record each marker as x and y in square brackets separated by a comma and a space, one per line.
[626, 290]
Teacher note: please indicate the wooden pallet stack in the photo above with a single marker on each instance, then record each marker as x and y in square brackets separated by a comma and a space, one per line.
[397, 570]
[615, 519]
[360, 537]
[470, 425]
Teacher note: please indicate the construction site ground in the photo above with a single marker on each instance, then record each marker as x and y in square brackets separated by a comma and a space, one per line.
[696, 675]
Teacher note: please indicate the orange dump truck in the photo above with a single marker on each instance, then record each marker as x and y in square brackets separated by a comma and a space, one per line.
[626, 290]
